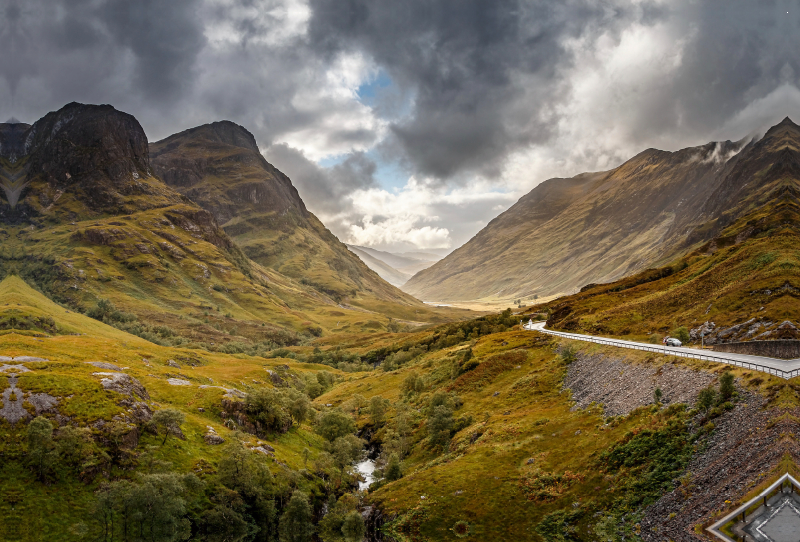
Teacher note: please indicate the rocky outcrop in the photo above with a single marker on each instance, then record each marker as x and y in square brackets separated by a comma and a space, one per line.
[212, 438]
[123, 384]
[92, 155]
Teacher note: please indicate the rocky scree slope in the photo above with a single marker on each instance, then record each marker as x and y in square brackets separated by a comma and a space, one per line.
[598, 227]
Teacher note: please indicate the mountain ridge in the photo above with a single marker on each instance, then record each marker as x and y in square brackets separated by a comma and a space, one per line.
[599, 227]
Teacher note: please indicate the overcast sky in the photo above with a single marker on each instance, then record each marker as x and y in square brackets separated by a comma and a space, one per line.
[412, 123]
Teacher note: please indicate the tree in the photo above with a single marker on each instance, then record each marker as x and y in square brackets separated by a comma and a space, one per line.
[314, 389]
[439, 424]
[412, 384]
[169, 420]
[440, 398]
[726, 387]
[706, 397]
[41, 452]
[334, 424]
[296, 523]
[345, 450]
[353, 527]
[657, 396]
[299, 405]
[393, 471]
[268, 407]
[377, 409]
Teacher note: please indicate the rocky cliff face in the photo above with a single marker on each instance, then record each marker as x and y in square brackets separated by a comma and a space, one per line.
[77, 162]
[603, 226]
[219, 166]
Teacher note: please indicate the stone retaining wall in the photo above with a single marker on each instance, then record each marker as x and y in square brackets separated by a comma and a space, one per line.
[782, 349]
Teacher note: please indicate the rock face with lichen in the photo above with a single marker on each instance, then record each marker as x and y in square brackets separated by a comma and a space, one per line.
[124, 384]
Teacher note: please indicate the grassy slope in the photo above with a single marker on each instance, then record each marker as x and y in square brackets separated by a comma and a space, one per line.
[169, 275]
[482, 482]
[751, 270]
[62, 510]
[602, 227]
[219, 167]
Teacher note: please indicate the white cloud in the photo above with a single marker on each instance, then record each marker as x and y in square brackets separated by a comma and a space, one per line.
[420, 215]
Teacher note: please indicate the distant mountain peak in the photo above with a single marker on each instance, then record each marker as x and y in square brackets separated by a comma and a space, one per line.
[783, 125]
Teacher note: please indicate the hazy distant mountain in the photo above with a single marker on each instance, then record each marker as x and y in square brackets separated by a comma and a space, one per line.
[395, 268]
[599, 227]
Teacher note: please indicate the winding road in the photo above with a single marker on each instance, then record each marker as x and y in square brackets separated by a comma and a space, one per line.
[784, 368]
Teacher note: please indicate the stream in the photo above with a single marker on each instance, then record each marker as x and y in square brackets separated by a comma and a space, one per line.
[366, 468]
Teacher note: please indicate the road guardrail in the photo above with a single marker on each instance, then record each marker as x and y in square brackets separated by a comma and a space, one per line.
[716, 358]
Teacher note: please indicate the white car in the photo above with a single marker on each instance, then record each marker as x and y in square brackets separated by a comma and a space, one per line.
[673, 342]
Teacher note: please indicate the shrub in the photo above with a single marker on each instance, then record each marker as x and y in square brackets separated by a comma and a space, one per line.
[393, 471]
[334, 424]
[706, 398]
[726, 387]
[439, 424]
[461, 529]
[682, 334]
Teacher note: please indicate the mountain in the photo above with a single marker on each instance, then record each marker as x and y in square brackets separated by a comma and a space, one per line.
[739, 279]
[394, 268]
[599, 227]
[85, 218]
[219, 167]
[386, 271]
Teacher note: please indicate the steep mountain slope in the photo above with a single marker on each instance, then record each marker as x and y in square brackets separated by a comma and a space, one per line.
[742, 284]
[602, 226]
[220, 167]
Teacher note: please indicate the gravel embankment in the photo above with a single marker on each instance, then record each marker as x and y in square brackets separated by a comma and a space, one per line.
[747, 442]
[622, 387]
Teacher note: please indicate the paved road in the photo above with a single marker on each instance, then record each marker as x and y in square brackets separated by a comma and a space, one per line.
[778, 367]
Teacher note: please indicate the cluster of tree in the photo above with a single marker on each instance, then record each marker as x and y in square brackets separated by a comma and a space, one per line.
[402, 357]
[274, 410]
[343, 522]
[319, 383]
[106, 312]
[69, 452]
[338, 358]
[710, 398]
[441, 423]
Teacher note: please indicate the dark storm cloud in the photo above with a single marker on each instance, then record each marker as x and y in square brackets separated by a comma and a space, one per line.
[463, 58]
[94, 49]
[324, 189]
[472, 84]
[488, 74]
